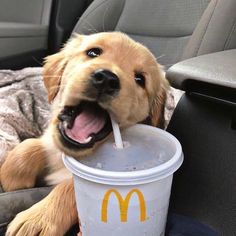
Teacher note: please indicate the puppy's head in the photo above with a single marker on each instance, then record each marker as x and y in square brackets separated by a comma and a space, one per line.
[97, 75]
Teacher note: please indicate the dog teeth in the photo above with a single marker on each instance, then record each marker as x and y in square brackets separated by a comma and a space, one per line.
[87, 140]
[65, 124]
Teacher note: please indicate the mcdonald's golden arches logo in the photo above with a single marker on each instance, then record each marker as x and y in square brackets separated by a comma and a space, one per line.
[123, 204]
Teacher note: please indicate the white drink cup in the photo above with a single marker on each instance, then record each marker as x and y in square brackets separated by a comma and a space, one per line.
[125, 192]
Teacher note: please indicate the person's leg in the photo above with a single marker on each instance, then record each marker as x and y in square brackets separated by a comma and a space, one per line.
[178, 225]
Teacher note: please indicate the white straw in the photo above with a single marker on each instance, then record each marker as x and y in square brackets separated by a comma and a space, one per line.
[117, 135]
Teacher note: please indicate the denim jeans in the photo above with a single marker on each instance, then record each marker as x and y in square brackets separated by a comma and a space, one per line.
[178, 225]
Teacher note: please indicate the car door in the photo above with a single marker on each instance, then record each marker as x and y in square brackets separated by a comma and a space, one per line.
[24, 28]
[32, 29]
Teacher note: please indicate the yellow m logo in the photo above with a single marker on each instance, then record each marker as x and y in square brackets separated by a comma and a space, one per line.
[123, 204]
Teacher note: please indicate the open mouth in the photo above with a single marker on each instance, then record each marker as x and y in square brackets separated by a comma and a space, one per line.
[83, 125]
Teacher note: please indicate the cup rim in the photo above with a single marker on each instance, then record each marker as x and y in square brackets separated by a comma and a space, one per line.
[129, 177]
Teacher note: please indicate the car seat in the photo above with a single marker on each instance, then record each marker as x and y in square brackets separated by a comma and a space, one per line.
[164, 26]
[204, 121]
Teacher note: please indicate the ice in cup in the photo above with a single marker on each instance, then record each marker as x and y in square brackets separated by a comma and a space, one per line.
[126, 191]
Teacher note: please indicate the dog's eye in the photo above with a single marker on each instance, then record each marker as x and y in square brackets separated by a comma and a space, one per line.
[94, 52]
[140, 79]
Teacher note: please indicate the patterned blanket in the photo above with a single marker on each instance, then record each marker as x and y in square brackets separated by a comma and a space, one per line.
[24, 109]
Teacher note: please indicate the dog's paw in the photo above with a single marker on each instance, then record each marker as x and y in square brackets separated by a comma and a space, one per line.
[33, 222]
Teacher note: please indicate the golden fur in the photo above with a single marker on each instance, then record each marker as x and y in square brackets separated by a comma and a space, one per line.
[66, 77]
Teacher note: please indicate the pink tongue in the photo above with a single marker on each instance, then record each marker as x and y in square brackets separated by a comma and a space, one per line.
[85, 124]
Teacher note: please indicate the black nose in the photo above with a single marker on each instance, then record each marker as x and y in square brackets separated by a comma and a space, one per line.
[105, 81]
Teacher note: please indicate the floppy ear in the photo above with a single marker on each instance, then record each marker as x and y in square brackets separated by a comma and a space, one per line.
[52, 73]
[55, 64]
[156, 115]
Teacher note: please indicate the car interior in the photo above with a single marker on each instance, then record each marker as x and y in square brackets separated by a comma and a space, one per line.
[195, 41]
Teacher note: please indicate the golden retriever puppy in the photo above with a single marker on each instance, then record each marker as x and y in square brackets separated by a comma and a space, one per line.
[90, 78]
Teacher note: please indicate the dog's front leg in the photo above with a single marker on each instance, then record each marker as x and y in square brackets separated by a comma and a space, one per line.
[23, 165]
[52, 216]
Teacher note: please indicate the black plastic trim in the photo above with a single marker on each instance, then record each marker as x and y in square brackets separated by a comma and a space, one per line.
[225, 94]
[29, 59]
[64, 16]
[204, 186]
